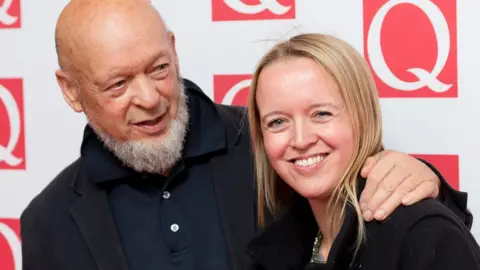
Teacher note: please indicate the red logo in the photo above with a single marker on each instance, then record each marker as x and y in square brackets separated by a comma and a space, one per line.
[12, 135]
[245, 10]
[411, 46]
[231, 89]
[10, 14]
[10, 245]
[448, 165]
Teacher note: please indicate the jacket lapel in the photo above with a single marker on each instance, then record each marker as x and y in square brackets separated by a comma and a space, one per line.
[96, 224]
[234, 189]
[235, 199]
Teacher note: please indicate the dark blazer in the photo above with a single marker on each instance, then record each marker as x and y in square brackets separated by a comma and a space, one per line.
[426, 235]
[69, 225]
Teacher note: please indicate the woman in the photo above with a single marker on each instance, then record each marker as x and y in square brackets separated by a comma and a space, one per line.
[315, 118]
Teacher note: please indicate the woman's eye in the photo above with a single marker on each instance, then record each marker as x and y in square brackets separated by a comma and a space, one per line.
[323, 114]
[275, 122]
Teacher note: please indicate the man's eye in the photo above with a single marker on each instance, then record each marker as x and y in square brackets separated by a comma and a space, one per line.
[118, 85]
[161, 67]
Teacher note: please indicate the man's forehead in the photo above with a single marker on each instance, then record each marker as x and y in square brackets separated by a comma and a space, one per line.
[87, 24]
[112, 53]
[106, 68]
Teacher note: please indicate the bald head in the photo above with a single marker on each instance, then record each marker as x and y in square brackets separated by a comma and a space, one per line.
[85, 28]
[119, 66]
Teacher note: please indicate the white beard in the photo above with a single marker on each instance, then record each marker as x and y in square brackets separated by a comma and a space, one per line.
[153, 157]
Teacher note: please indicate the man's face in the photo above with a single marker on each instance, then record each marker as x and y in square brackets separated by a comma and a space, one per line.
[129, 87]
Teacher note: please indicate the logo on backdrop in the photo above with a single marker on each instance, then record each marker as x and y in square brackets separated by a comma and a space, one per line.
[411, 47]
[246, 10]
[448, 165]
[231, 89]
[10, 14]
[10, 245]
[12, 136]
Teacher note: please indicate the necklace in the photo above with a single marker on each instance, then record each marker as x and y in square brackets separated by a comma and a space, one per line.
[316, 256]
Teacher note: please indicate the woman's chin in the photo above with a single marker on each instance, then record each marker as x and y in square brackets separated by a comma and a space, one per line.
[317, 195]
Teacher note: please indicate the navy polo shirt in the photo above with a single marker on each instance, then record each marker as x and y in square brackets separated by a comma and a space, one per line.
[167, 222]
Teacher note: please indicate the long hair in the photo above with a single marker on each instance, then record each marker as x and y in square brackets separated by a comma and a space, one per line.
[353, 77]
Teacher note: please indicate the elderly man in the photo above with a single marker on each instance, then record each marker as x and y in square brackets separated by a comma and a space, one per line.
[165, 179]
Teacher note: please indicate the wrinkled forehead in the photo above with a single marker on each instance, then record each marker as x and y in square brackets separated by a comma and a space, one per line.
[117, 47]
[88, 29]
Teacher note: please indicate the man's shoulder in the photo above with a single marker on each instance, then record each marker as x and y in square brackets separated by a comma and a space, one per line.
[233, 115]
[57, 193]
[235, 120]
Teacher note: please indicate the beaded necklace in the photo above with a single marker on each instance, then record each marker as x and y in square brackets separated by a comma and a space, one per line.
[316, 256]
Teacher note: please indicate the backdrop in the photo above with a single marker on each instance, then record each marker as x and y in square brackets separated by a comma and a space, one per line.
[424, 55]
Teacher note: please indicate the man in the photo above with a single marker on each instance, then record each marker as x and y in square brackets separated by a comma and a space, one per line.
[165, 179]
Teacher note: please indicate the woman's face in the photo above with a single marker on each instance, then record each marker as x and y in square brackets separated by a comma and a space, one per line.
[307, 132]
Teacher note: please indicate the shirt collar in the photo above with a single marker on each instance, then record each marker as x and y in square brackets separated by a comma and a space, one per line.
[206, 130]
[206, 134]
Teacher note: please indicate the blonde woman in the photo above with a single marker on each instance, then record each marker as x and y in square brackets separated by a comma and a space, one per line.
[315, 119]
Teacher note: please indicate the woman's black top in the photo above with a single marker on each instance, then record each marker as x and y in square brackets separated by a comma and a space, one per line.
[426, 235]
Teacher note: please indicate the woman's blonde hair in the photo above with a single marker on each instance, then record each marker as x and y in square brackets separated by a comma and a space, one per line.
[354, 80]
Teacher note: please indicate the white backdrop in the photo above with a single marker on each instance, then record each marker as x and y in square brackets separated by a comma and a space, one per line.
[218, 48]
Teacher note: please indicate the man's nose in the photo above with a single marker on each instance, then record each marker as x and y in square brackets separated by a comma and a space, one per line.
[146, 94]
[303, 136]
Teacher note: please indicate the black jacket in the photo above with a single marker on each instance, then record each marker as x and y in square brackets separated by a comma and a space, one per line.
[426, 235]
[69, 225]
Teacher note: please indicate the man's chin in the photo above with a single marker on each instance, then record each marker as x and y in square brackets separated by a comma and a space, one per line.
[153, 155]
[149, 138]
[151, 151]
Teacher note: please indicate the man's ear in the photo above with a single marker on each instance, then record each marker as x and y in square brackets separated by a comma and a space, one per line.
[70, 90]
[171, 39]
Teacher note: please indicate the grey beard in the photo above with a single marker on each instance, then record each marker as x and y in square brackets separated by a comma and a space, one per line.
[153, 157]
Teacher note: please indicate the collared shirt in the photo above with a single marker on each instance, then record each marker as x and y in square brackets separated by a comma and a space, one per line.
[167, 222]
